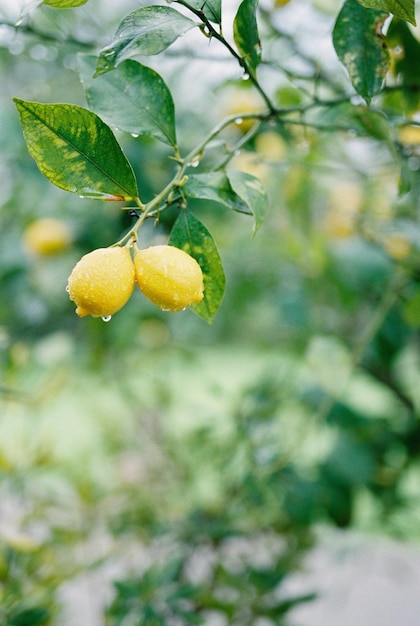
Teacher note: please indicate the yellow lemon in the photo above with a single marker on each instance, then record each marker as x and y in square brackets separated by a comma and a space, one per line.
[241, 102]
[271, 146]
[102, 282]
[409, 135]
[169, 277]
[339, 225]
[251, 163]
[47, 236]
[398, 246]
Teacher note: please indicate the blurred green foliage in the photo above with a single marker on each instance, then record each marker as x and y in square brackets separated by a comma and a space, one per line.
[191, 465]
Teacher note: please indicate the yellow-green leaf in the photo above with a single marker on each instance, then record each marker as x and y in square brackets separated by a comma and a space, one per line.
[76, 150]
[190, 234]
[64, 4]
[361, 47]
[245, 33]
[404, 9]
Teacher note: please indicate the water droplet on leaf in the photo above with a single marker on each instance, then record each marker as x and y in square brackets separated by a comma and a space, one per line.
[107, 318]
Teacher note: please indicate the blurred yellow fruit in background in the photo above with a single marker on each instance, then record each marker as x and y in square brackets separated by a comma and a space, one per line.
[409, 135]
[271, 146]
[241, 102]
[397, 246]
[339, 224]
[251, 163]
[47, 236]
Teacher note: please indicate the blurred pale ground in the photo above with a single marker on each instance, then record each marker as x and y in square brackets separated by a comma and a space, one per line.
[362, 581]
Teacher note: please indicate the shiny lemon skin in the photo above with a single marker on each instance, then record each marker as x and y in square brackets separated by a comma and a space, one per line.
[102, 282]
[169, 277]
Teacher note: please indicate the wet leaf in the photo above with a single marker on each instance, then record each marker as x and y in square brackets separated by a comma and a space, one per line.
[252, 192]
[64, 4]
[147, 31]
[76, 150]
[245, 33]
[212, 9]
[133, 98]
[190, 234]
[214, 186]
[404, 9]
[361, 47]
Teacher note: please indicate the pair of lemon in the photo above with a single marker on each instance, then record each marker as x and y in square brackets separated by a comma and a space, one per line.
[103, 280]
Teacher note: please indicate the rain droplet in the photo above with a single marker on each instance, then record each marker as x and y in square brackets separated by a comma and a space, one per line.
[107, 318]
[68, 289]
[239, 120]
[135, 135]
[81, 197]
[195, 162]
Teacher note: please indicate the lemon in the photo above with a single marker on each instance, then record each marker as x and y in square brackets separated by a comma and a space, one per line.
[398, 246]
[271, 146]
[168, 277]
[102, 282]
[409, 135]
[251, 163]
[241, 102]
[340, 224]
[47, 236]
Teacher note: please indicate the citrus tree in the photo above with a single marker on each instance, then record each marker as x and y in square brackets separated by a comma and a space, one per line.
[76, 148]
[301, 123]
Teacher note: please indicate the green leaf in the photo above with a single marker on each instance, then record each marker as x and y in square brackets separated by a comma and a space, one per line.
[76, 150]
[245, 33]
[359, 120]
[252, 192]
[411, 310]
[216, 187]
[212, 9]
[147, 31]
[361, 47]
[406, 65]
[404, 9]
[190, 234]
[31, 616]
[133, 98]
[64, 4]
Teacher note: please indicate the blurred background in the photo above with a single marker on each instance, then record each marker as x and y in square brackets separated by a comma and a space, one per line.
[157, 470]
